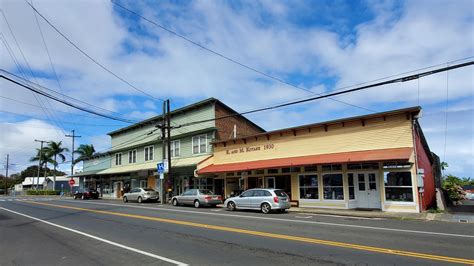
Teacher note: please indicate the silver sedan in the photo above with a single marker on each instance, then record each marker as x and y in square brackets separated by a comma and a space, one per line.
[264, 199]
[141, 194]
[197, 197]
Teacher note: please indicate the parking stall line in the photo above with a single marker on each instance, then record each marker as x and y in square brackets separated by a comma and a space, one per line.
[273, 235]
[98, 238]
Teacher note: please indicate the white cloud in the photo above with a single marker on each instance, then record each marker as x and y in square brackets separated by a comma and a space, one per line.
[168, 67]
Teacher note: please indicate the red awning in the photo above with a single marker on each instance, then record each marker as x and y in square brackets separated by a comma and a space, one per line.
[398, 154]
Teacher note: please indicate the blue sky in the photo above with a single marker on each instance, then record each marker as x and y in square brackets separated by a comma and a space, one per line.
[318, 45]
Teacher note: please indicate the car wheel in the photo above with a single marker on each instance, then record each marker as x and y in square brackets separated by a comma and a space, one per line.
[231, 206]
[74, 197]
[266, 208]
[125, 199]
[139, 200]
[83, 197]
[175, 202]
[197, 203]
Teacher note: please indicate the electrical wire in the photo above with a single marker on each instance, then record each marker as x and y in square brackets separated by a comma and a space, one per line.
[397, 80]
[56, 98]
[234, 61]
[90, 57]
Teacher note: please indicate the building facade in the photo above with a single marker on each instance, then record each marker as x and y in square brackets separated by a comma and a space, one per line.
[379, 161]
[137, 149]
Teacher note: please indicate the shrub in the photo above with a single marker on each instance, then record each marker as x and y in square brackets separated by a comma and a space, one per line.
[43, 192]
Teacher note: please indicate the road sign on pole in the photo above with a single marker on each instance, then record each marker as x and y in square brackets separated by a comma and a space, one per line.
[72, 182]
[160, 167]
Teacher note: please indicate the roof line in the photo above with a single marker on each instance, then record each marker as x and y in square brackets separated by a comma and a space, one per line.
[336, 121]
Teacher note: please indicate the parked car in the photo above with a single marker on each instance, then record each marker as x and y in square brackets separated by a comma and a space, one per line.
[141, 195]
[469, 196]
[86, 194]
[197, 197]
[264, 199]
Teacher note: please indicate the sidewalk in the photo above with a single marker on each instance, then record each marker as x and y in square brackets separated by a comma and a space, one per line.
[444, 217]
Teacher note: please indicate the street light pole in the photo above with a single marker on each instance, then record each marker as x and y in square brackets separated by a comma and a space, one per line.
[39, 161]
[6, 174]
[73, 136]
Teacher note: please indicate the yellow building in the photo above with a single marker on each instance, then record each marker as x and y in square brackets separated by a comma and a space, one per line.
[379, 161]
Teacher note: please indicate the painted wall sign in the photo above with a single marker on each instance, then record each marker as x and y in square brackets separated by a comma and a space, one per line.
[264, 147]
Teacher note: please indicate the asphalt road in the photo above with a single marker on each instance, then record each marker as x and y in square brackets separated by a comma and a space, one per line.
[42, 231]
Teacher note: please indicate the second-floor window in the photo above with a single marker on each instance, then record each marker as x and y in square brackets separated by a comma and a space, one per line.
[132, 156]
[200, 144]
[118, 159]
[175, 148]
[149, 153]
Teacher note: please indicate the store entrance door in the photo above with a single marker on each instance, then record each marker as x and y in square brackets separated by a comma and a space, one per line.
[219, 187]
[368, 193]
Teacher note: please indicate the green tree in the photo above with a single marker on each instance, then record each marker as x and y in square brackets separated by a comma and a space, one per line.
[55, 151]
[84, 151]
[44, 160]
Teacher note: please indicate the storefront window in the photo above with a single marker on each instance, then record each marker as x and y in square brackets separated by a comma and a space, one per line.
[332, 167]
[333, 187]
[309, 187]
[350, 178]
[398, 186]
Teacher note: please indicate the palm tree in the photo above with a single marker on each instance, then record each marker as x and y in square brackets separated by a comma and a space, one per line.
[85, 151]
[55, 151]
[44, 160]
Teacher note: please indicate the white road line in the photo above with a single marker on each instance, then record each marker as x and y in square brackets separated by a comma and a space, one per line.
[100, 239]
[304, 217]
[284, 220]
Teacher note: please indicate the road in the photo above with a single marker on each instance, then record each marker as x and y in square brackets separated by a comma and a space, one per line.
[52, 231]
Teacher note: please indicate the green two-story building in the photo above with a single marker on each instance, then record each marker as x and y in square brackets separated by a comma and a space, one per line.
[136, 150]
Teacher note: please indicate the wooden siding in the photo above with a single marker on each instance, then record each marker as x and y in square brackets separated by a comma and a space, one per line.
[377, 133]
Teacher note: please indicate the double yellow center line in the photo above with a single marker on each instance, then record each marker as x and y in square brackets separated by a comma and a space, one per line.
[272, 235]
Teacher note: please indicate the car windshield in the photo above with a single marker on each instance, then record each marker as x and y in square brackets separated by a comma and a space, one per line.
[148, 189]
[205, 192]
[280, 193]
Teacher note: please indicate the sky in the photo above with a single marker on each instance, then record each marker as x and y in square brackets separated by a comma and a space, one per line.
[319, 46]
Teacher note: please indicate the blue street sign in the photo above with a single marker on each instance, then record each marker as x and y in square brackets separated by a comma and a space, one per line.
[160, 168]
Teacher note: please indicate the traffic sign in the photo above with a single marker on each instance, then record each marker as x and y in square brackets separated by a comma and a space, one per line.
[72, 182]
[160, 168]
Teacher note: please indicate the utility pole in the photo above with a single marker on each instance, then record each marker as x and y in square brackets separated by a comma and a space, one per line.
[6, 174]
[73, 136]
[163, 151]
[39, 161]
[168, 142]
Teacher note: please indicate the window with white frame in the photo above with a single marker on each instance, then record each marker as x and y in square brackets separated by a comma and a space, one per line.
[398, 186]
[175, 148]
[350, 179]
[200, 144]
[149, 153]
[118, 159]
[132, 156]
[309, 186]
[333, 188]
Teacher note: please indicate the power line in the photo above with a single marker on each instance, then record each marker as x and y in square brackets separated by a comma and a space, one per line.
[27, 64]
[234, 61]
[55, 110]
[58, 99]
[39, 118]
[49, 56]
[90, 57]
[397, 80]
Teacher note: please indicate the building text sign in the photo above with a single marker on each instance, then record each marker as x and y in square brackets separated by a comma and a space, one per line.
[264, 147]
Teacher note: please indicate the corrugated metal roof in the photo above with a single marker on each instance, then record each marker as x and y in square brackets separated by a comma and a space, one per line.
[343, 157]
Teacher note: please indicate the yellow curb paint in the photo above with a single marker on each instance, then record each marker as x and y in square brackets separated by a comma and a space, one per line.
[272, 235]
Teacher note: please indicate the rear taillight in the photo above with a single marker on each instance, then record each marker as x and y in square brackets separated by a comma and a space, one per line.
[207, 197]
[219, 197]
[275, 199]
